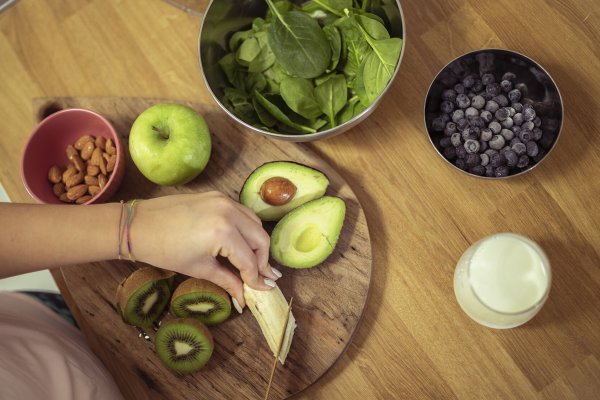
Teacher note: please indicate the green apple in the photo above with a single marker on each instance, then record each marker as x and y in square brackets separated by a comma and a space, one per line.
[170, 144]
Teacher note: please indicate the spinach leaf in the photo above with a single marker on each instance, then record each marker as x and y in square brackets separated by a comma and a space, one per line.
[263, 115]
[237, 39]
[335, 42]
[279, 115]
[331, 96]
[299, 95]
[235, 75]
[354, 45]
[247, 51]
[333, 6]
[373, 27]
[299, 43]
[379, 66]
[265, 58]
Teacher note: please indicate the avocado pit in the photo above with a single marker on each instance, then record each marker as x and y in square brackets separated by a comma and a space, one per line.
[277, 191]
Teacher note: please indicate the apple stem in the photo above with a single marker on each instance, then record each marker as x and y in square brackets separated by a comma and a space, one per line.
[163, 133]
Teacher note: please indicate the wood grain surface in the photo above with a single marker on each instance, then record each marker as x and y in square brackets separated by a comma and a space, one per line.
[414, 342]
[328, 299]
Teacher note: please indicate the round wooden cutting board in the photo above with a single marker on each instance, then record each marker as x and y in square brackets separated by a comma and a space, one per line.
[328, 299]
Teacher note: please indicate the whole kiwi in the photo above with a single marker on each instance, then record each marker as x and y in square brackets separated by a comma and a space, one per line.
[143, 295]
[184, 344]
[202, 300]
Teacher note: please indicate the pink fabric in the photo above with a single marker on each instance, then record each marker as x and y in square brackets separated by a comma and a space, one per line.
[44, 357]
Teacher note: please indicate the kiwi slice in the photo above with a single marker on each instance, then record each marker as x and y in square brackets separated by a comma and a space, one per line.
[202, 300]
[143, 295]
[184, 344]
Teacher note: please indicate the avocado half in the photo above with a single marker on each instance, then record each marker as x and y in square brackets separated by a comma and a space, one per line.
[307, 184]
[307, 235]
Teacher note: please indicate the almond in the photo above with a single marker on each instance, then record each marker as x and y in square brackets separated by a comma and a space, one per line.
[110, 147]
[96, 156]
[76, 192]
[101, 142]
[110, 164]
[71, 151]
[87, 150]
[82, 141]
[58, 189]
[102, 165]
[78, 162]
[55, 174]
[74, 180]
[93, 190]
[83, 199]
[63, 197]
[102, 180]
[91, 180]
[93, 170]
[71, 170]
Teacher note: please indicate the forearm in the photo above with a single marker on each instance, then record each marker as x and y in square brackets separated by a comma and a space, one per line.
[35, 237]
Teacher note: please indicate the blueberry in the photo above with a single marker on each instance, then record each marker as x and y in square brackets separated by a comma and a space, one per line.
[472, 159]
[477, 122]
[470, 133]
[502, 114]
[518, 118]
[537, 134]
[456, 139]
[516, 129]
[469, 81]
[450, 153]
[512, 111]
[486, 116]
[438, 124]
[501, 171]
[445, 142]
[507, 134]
[514, 95]
[471, 146]
[490, 152]
[478, 86]
[501, 100]
[522, 88]
[486, 134]
[485, 159]
[511, 158]
[506, 85]
[532, 148]
[445, 117]
[525, 135]
[483, 146]
[470, 95]
[509, 76]
[463, 101]
[486, 96]
[528, 114]
[519, 148]
[493, 89]
[508, 123]
[458, 115]
[459, 89]
[486, 79]
[497, 142]
[497, 160]
[495, 127]
[450, 128]
[537, 122]
[461, 164]
[517, 106]
[447, 106]
[528, 125]
[523, 161]
[492, 106]
[478, 102]
[478, 170]
[449, 95]
[490, 171]
[462, 123]
[461, 152]
[471, 112]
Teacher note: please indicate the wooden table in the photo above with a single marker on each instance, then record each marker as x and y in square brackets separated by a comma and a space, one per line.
[414, 341]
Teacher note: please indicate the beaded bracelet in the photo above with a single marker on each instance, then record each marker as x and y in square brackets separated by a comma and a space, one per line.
[125, 228]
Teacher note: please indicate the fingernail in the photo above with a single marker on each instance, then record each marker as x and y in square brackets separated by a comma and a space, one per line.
[236, 305]
[269, 282]
[276, 272]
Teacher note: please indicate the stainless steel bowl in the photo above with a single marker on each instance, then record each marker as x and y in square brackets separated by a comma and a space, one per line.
[541, 89]
[225, 17]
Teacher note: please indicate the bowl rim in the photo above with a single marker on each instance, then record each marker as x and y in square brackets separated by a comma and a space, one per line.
[496, 50]
[306, 137]
[59, 114]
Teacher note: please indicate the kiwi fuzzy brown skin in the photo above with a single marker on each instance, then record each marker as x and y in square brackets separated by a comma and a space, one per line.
[154, 280]
[186, 334]
[195, 291]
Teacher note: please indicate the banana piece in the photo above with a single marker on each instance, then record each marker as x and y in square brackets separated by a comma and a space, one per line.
[270, 310]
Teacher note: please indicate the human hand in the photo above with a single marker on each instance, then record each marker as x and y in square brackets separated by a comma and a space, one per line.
[186, 233]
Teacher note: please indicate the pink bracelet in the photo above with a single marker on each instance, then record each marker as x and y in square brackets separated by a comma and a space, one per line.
[125, 228]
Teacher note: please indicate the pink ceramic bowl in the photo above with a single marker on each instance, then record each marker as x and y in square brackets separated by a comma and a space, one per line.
[47, 147]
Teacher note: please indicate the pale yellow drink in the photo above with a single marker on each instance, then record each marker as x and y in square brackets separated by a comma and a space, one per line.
[503, 280]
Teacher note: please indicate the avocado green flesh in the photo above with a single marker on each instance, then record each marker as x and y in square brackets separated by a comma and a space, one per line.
[310, 184]
[306, 236]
